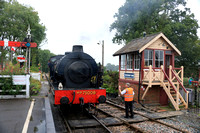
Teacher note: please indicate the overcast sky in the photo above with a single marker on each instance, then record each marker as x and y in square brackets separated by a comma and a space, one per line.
[83, 22]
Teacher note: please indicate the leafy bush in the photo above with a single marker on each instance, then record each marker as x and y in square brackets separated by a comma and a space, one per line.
[35, 69]
[110, 81]
[11, 69]
[111, 90]
[35, 86]
[8, 88]
[186, 82]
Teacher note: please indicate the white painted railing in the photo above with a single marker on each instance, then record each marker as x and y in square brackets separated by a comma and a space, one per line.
[18, 80]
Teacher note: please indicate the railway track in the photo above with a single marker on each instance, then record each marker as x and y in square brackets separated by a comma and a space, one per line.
[145, 121]
[83, 122]
[110, 118]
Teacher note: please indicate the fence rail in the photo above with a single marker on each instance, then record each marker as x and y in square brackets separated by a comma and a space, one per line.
[17, 80]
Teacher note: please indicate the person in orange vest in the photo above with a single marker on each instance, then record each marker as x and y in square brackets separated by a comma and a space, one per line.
[128, 94]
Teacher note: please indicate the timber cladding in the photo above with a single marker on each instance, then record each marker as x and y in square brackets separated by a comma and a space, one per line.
[135, 73]
[160, 44]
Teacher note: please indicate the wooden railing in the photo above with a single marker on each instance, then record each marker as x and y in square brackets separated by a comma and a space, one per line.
[170, 83]
[151, 75]
[180, 82]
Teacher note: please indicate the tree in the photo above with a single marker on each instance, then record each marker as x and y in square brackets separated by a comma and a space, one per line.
[112, 67]
[44, 56]
[14, 21]
[152, 16]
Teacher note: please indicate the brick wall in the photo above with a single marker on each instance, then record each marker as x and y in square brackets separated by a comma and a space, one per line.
[152, 96]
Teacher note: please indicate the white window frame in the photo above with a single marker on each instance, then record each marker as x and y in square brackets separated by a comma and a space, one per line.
[148, 58]
[136, 61]
[123, 62]
[129, 62]
[159, 58]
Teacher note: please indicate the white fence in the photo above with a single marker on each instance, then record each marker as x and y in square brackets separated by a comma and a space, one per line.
[36, 76]
[18, 80]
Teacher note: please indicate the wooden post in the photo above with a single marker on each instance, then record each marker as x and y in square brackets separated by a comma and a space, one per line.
[170, 73]
[177, 95]
[161, 73]
[182, 74]
[187, 99]
[145, 92]
[150, 76]
[27, 85]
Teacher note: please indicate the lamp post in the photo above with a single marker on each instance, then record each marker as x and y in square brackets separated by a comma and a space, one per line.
[102, 66]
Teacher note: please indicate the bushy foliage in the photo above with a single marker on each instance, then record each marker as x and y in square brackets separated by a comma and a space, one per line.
[8, 88]
[11, 69]
[35, 86]
[110, 81]
[35, 69]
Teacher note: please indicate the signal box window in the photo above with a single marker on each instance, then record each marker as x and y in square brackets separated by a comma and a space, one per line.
[159, 58]
[136, 62]
[123, 62]
[148, 58]
[129, 62]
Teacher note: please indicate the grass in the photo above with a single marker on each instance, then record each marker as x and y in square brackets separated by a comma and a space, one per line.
[167, 108]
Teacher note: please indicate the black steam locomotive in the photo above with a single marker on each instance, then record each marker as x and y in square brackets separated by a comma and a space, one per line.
[76, 78]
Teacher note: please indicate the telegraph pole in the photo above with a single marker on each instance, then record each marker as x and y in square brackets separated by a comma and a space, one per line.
[102, 54]
[102, 66]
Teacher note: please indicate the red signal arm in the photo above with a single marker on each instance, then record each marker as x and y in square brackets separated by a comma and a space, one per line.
[18, 44]
[21, 44]
[1, 43]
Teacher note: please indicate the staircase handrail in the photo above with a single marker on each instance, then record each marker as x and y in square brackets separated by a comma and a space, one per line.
[177, 68]
[179, 82]
[169, 80]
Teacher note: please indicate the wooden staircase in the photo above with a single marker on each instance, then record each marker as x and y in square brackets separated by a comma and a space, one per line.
[170, 84]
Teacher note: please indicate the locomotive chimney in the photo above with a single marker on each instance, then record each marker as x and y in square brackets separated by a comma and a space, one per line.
[77, 48]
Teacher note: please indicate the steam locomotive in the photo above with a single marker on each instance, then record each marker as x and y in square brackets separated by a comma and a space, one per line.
[76, 78]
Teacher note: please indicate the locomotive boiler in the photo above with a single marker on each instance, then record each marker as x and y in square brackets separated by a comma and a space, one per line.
[76, 78]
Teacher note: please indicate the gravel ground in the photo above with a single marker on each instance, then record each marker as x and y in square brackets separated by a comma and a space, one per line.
[179, 125]
[190, 119]
[121, 129]
[155, 127]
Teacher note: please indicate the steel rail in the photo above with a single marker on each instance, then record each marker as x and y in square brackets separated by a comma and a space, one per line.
[98, 121]
[152, 119]
[51, 85]
[125, 122]
[65, 121]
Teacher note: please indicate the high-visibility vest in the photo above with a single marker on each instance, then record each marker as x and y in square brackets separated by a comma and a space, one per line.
[128, 96]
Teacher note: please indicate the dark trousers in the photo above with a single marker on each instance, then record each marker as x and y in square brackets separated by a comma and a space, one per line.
[129, 105]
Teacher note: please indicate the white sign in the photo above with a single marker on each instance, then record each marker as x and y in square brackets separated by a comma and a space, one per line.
[19, 79]
[36, 76]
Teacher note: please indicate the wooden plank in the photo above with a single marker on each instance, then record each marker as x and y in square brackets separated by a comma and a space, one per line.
[83, 123]
[145, 92]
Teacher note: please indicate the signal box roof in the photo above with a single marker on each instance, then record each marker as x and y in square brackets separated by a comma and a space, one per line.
[140, 44]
